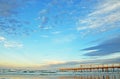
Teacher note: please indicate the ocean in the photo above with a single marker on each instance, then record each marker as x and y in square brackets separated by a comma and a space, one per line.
[64, 76]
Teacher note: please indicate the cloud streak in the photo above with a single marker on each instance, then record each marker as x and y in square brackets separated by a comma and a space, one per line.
[78, 63]
[105, 48]
[105, 17]
[44, 36]
[65, 38]
[10, 44]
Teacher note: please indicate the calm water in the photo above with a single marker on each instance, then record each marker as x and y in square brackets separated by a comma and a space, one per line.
[82, 76]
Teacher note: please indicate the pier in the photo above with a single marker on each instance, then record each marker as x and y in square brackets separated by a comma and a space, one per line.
[94, 67]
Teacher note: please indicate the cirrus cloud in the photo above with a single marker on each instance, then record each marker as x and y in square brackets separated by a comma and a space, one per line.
[10, 44]
[104, 18]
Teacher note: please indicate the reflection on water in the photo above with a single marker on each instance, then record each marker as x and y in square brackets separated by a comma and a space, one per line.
[92, 76]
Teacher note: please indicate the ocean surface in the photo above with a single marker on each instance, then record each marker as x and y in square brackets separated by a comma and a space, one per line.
[75, 76]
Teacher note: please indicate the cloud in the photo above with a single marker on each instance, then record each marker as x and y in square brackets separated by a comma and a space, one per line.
[2, 38]
[10, 44]
[108, 6]
[56, 32]
[65, 38]
[105, 48]
[11, 7]
[7, 8]
[44, 21]
[69, 64]
[9, 22]
[105, 17]
[43, 18]
[43, 12]
[44, 36]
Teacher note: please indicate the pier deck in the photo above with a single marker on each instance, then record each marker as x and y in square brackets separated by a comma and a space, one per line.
[102, 68]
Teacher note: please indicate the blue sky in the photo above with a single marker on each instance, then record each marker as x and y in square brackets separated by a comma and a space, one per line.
[46, 33]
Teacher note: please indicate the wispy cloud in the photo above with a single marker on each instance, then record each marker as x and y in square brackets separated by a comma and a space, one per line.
[104, 18]
[13, 45]
[2, 38]
[9, 22]
[43, 12]
[78, 63]
[65, 38]
[56, 32]
[10, 44]
[108, 6]
[7, 8]
[44, 36]
[43, 18]
[10, 8]
[105, 48]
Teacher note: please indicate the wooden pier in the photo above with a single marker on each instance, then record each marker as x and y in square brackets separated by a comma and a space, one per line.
[94, 67]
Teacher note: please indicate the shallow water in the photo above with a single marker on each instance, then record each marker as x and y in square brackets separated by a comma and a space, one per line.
[82, 76]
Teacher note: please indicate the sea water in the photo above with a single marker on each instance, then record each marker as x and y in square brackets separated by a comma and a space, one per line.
[63, 76]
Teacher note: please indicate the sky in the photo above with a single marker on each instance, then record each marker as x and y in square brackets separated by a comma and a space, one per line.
[59, 33]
